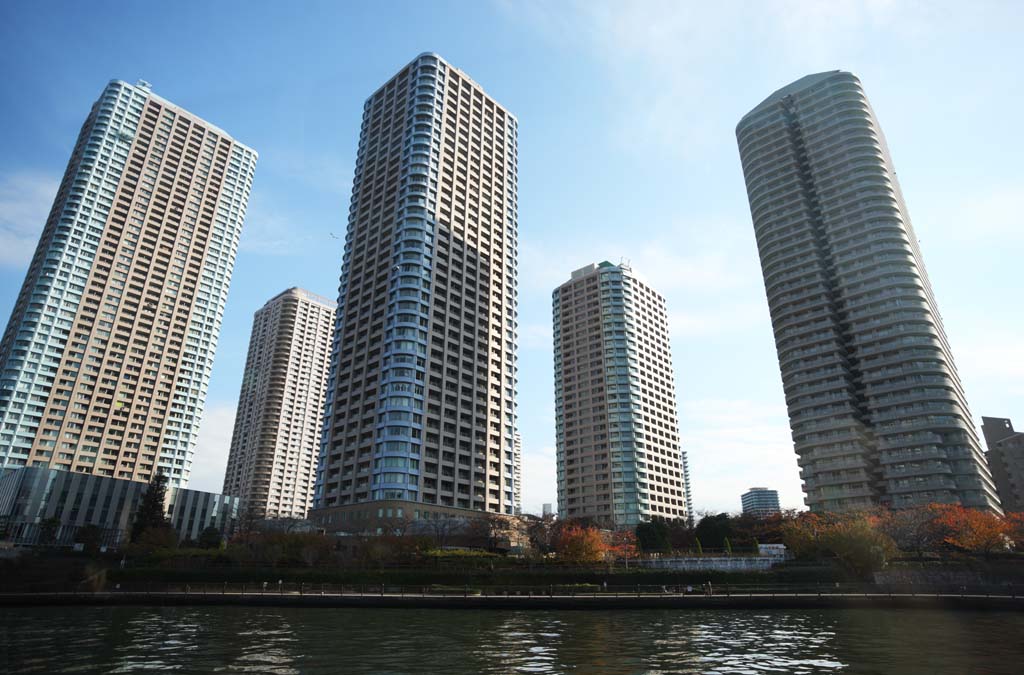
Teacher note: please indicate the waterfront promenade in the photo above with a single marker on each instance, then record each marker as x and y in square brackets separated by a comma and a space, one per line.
[214, 595]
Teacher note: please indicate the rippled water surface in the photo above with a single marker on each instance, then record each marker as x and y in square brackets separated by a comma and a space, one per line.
[389, 642]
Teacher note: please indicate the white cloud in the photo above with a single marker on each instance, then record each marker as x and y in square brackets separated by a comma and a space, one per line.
[212, 447]
[664, 57]
[686, 256]
[25, 201]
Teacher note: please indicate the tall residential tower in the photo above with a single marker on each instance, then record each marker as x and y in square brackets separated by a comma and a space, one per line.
[876, 408]
[618, 454]
[420, 414]
[106, 359]
[276, 442]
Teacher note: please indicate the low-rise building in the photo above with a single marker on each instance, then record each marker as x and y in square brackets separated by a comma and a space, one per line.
[37, 504]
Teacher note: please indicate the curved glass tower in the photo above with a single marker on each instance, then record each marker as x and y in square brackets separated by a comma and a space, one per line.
[876, 407]
[420, 404]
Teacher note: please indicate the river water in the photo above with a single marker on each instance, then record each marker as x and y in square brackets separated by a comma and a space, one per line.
[458, 642]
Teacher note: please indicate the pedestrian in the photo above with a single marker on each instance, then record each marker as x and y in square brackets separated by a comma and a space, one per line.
[710, 591]
[604, 585]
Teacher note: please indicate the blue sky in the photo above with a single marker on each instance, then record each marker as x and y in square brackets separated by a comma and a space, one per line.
[627, 151]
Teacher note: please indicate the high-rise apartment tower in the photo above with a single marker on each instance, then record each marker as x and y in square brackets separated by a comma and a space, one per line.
[1006, 460]
[617, 435]
[876, 408]
[420, 409]
[760, 501]
[107, 356]
[276, 442]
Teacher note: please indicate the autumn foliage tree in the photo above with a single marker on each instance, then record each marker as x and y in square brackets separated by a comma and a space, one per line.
[913, 530]
[621, 544]
[1015, 522]
[580, 544]
[970, 529]
[854, 540]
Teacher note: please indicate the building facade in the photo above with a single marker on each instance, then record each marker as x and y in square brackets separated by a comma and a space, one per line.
[1006, 460]
[276, 439]
[107, 355]
[618, 455]
[517, 474]
[70, 500]
[420, 401]
[876, 408]
[761, 502]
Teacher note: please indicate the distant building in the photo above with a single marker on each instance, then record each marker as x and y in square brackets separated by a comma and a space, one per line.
[31, 495]
[276, 441]
[546, 510]
[106, 359]
[618, 456]
[760, 501]
[1006, 460]
[876, 407]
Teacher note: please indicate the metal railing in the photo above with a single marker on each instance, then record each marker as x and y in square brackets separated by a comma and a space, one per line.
[290, 588]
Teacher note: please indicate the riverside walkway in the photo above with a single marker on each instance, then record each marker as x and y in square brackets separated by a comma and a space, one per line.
[209, 595]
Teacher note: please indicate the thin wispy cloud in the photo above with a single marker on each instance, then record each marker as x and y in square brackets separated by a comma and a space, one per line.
[25, 201]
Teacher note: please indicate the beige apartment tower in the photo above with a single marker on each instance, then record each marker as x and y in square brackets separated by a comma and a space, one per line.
[276, 440]
[420, 411]
[617, 434]
[105, 362]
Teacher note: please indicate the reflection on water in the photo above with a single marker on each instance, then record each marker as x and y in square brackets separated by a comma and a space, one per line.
[390, 642]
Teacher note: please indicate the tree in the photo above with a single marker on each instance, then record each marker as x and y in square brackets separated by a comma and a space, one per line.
[541, 533]
[858, 546]
[621, 544]
[713, 530]
[154, 538]
[579, 544]
[653, 536]
[48, 531]
[90, 537]
[443, 529]
[210, 537]
[972, 530]
[914, 529]
[1015, 524]
[151, 511]
[851, 538]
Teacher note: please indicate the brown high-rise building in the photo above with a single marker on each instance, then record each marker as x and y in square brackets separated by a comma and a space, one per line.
[107, 356]
[420, 413]
[617, 434]
[276, 441]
